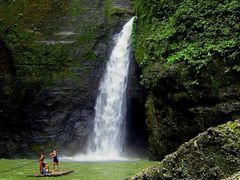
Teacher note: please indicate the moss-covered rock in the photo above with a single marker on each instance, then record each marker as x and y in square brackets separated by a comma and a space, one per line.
[188, 52]
[58, 51]
[213, 154]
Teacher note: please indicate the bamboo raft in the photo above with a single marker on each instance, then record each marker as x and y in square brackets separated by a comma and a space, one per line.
[52, 174]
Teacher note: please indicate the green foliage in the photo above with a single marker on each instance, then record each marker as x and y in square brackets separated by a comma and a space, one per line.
[14, 37]
[41, 61]
[34, 61]
[25, 12]
[196, 33]
[188, 52]
[75, 9]
[22, 26]
[108, 8]
[37, 65]
[111, 10]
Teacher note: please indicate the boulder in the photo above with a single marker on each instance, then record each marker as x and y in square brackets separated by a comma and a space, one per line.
[213, 154]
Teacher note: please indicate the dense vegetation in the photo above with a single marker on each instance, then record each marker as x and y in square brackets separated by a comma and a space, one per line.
[196, 33]
[188, 52]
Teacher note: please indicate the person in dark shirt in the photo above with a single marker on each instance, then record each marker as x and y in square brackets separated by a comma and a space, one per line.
[55, 159]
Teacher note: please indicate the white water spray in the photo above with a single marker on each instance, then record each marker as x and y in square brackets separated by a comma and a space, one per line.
[110, 109]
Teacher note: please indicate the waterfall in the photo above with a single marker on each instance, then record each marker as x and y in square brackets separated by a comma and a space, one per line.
[110, 108]
[108, 137]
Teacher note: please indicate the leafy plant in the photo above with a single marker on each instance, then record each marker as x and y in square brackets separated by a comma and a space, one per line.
[195, 33]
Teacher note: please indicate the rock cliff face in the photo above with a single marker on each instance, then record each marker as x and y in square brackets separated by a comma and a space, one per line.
[59, 49]
[213, 154]
[188, 52]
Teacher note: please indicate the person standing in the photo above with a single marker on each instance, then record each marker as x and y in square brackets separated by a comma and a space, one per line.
[55, 159]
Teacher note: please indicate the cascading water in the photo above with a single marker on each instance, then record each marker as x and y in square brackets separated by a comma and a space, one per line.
[110, 109]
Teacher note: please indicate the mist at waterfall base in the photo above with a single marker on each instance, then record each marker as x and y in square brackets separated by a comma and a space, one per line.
[109, 136]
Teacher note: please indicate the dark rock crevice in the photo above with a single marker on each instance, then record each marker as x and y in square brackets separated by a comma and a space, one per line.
[6, 61]
[136, 142]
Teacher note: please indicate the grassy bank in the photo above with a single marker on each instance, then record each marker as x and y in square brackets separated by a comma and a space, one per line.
[19, 169]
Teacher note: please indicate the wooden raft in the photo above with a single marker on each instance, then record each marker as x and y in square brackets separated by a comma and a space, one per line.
[52, 174]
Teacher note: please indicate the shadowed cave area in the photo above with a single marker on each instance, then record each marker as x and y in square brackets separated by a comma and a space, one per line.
[136, 138]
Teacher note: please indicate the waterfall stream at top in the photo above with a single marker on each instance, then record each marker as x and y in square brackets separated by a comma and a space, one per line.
[109, 133]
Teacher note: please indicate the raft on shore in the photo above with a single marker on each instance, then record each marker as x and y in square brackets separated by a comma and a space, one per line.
[56, 173]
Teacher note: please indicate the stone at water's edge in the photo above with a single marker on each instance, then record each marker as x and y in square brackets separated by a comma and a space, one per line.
[214, 154]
